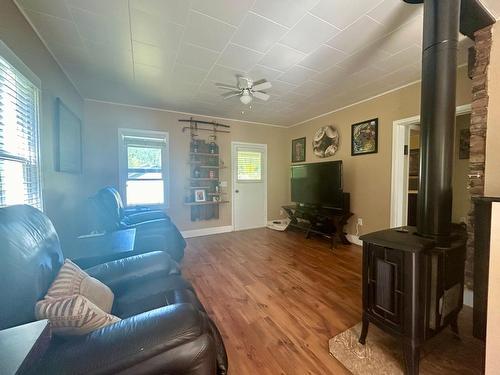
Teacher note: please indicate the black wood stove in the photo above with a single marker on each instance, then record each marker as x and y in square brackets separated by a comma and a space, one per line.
[413, 277]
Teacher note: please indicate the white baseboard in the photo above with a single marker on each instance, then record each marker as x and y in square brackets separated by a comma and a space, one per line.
[206, 231]
[468, 297]
[354, 239]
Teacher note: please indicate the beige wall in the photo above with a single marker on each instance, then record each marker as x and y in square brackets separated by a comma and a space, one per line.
[492, 172]
[101, 155]
[368, 177]
[60, 190]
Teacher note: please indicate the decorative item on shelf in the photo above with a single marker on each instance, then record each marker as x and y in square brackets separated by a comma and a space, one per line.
[217, 188]
[211, 173]
[212, 146]
[196, 172]
[216, 198]
[195, 146]
[364, 137]
[299, 150]
[326, 141]
[200, 195]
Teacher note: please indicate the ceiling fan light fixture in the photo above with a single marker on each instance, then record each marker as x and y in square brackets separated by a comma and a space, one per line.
[245, 97]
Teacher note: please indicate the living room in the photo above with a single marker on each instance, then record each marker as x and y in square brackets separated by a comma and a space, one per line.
[210, 120]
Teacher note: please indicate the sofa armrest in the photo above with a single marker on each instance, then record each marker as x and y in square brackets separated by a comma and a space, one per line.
[120, 273]
[141, 343]
[139, 217]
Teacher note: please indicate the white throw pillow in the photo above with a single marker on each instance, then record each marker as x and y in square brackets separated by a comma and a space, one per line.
[73, 315]
[72, 280]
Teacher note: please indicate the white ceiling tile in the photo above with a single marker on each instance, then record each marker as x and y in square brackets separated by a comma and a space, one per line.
[110, 8]
[285, 12]
[281, 57]
[152, 29]
[188, 75]
[371, 55]
[409, 56]
[224, 74]
[330, 75]
[174, 11]
[239, 58]
[57, 30]
[342, 13]
[324, 57]
[281, 88]
[229, 11]
[258, 33]
[309, 33]
[260, 71]
[150, 74]
[101, 29]
[410, 33]
[310, 88]
[361, 33]
[148, 54]
[199, 57]
[57, 8]
[207, 32]
[297, 75]
[394, 13]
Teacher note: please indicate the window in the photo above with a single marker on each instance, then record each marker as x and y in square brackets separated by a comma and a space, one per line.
[249, 165]
[19, 148]
[144, 167]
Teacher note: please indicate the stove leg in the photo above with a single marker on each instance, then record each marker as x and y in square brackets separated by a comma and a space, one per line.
[412, 358]
[364, 332]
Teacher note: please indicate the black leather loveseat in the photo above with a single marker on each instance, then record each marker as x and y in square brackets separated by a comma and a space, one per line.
[164, 328]
[154, 229]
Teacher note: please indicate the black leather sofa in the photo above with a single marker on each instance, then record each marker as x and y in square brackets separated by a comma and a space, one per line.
[164, 328]
[154, 229]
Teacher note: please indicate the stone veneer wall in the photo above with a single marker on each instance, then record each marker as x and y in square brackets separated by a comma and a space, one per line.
[477, 136]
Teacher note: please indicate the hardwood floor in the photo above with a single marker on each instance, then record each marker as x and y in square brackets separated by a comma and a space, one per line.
[277, 298]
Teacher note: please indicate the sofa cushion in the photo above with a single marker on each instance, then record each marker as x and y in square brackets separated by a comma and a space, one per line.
[71, 280]
[74, 315]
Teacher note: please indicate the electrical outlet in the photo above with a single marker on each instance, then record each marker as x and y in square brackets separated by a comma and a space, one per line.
[360, 221]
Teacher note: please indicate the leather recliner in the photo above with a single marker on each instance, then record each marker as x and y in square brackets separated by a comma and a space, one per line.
[164, 328]
[154, 229]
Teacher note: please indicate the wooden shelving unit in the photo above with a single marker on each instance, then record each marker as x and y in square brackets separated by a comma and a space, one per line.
[205, 168]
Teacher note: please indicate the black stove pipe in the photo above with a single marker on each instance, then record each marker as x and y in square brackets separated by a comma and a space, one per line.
[437, 124]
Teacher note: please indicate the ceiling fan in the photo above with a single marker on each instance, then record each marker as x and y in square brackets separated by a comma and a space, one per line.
[246, 89]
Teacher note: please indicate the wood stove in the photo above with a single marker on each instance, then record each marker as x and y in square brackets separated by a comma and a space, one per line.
[413, 277]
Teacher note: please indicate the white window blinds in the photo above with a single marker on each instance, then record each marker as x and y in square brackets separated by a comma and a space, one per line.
[19, 154]
[249, 165]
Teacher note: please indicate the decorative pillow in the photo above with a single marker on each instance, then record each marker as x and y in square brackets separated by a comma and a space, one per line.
[72, 280]
[74, 315]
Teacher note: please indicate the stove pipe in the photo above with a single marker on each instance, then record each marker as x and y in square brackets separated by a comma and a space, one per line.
[439, 69]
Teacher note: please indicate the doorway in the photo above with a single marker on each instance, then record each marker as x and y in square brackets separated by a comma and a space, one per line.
[405, 162]
[249, 183]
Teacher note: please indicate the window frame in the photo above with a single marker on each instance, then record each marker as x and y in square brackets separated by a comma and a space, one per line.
[249, 149]
[123, 164]
[8, 55]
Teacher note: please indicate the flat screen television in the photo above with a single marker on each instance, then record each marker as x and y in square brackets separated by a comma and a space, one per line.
[318, 184]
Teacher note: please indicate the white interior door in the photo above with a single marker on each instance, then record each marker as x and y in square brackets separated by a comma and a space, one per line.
[249, 185]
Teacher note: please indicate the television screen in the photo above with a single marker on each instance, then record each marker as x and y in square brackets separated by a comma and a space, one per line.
[317, 184]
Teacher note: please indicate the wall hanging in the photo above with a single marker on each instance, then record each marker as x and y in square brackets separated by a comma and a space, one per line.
[364, 137]
[299, 150]
[326, 141]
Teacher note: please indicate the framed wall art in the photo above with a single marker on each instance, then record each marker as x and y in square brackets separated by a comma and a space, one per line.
[299, 150]
[364, 137]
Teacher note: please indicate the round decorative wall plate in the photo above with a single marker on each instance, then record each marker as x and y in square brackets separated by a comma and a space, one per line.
[326, 141]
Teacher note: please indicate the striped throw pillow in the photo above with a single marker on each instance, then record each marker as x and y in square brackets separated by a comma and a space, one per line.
[74, 315]
[72, 280]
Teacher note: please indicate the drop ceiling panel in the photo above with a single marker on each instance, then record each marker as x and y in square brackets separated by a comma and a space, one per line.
[319, 55]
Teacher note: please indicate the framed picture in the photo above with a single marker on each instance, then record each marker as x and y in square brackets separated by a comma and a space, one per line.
[199, 195]
[299, 150]
[464, 146]
[68, 140]
[364, 137]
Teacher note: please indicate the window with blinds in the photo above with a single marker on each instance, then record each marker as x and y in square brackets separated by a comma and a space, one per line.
[249, 165]
[144, 174]
[19, 149]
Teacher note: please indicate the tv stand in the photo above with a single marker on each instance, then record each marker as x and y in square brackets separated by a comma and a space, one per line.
[327, 222]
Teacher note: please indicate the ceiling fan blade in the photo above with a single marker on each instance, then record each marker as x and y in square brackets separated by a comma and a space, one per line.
[225, 86]
[260, 95]
[262, 86]
[228, 95]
